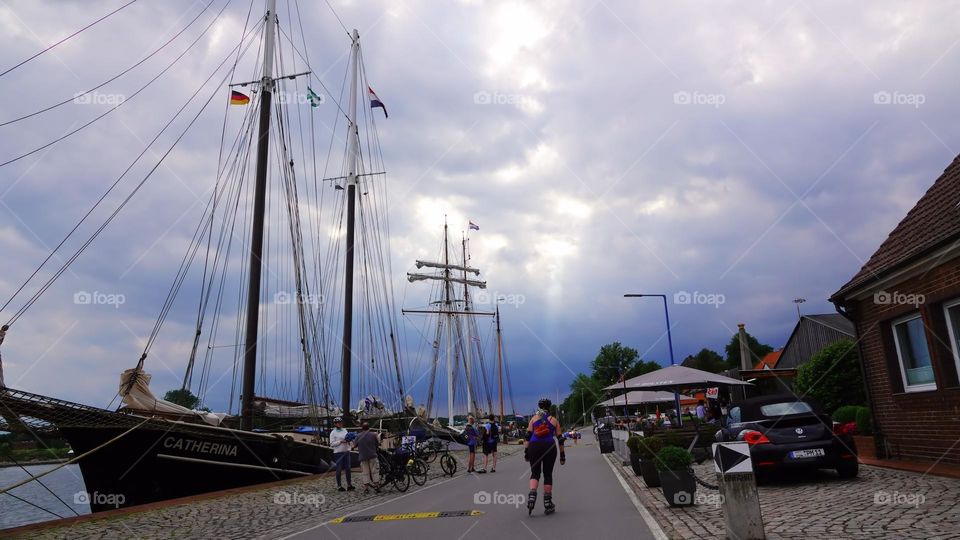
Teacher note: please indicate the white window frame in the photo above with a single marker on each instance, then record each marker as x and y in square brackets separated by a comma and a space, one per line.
[950, 332]
[907, 387]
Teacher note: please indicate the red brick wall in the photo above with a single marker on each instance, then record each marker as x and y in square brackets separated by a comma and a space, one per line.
[914, 425]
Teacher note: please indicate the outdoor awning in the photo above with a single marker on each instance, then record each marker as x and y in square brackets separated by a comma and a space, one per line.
[636, 397]
[676, 378]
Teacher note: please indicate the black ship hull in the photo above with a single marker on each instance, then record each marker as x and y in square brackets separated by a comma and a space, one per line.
[138, 461]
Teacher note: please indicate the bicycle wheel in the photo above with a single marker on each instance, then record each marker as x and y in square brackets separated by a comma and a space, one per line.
[401, 481]
[430, 456]
[418, 471]
[449, 464]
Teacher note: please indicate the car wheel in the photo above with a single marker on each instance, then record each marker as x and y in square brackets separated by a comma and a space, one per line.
[848, 469]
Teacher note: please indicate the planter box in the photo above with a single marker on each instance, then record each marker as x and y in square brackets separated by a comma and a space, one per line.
[635, 464]
[648, 470]
[866, 447]
[679, 487]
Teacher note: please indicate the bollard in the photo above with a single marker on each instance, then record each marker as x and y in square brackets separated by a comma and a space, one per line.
[738, 491]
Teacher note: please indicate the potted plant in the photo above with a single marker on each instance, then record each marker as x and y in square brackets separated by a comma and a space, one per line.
[648, 448]
[634, 444]
[676, 478]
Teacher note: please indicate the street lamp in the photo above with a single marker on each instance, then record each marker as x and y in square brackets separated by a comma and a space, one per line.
[666, 313]
[799, 301]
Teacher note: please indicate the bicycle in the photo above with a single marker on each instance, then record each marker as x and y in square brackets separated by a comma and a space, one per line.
[393, 470]
[447, 462]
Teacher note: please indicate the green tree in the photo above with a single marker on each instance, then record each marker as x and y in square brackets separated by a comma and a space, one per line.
[642, 367]
[613, 360]
[585, 392]
[183, 397]
[832, 376]
[757, 351]
[706, 360]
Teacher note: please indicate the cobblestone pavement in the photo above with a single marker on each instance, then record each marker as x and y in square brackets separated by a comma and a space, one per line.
[258, 513]
[880, 503]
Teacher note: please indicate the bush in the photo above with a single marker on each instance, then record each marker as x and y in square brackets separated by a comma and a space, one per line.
[832, 376]
[647, 447]
[673, 458]
[846, 414]
[864, 421]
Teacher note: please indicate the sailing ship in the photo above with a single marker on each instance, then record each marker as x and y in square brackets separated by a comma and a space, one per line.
[457, 341]
[150, 449]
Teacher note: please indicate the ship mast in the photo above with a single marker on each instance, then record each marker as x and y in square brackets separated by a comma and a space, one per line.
[448, 312]
[352, 156]
[256, 237]
[500, 364]
[467, 323]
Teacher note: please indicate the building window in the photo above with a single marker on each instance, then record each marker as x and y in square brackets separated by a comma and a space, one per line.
[915, 365]
[952, 314]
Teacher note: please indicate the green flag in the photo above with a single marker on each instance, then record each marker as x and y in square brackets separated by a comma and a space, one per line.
[314, 99]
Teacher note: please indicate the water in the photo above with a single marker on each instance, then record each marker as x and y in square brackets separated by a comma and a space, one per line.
[66, 483]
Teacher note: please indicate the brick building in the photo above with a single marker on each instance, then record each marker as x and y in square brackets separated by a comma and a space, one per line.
[905, 304]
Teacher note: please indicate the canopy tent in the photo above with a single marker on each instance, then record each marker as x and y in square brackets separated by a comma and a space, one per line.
[676, 378]
[637, 397]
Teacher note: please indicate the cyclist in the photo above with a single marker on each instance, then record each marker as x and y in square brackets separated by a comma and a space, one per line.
[541, 447]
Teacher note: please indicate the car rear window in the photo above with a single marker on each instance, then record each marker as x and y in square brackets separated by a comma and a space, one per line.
[785, 408]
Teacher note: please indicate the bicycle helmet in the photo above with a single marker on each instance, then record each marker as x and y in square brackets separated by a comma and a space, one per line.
[544, 404]
[338, 419]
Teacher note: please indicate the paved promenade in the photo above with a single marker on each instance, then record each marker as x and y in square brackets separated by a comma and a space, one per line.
[591, 503]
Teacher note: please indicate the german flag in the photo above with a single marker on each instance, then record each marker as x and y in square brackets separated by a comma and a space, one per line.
[236, 98]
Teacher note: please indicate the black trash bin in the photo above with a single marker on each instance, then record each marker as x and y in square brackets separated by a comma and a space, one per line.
[605, 439]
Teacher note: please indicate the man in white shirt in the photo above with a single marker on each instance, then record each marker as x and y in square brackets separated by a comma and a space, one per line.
[341, 452]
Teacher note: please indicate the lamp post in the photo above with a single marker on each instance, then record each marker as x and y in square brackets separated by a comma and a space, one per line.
[666, 313]
[799, 301]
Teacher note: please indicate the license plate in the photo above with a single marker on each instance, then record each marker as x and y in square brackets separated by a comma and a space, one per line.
[800, 454]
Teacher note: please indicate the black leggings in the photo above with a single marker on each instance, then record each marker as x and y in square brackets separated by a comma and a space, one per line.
[543, 455]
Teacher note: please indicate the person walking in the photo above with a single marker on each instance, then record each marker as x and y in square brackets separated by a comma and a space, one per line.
[540, 448]
[367, 444]
[341, 452]
[490, 443]
[471, 433]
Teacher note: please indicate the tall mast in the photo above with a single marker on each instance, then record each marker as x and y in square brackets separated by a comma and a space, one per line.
[352, 157]
[450, 318]
[256, 237]
[500, 363]
[468, 344]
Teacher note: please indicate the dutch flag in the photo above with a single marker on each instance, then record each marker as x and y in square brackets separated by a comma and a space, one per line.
[474, 226]
[375, 102]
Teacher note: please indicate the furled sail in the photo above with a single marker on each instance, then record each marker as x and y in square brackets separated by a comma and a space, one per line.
[136, 394]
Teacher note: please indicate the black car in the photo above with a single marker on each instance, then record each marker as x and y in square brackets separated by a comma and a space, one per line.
[787, 432]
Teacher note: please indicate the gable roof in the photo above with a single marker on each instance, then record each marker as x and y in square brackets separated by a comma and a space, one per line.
[769, 361]
[834, 320]
[931, 223]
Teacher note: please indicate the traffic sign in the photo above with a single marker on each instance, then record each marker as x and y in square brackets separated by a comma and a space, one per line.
[732, 457]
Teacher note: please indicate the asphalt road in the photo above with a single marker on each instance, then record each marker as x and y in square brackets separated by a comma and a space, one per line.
[591, 505]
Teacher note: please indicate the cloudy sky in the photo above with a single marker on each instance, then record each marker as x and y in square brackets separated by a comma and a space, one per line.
[744, 154]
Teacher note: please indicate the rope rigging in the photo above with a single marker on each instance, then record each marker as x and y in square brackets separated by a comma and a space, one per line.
[78, 32]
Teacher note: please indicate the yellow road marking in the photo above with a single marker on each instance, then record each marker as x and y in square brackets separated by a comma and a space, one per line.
[410, 515]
